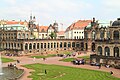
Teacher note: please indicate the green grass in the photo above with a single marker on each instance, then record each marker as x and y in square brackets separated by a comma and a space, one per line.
[65, 52]
[5, 60]
[44, 56]
[55, 72]
[67, 59]
[85, 57]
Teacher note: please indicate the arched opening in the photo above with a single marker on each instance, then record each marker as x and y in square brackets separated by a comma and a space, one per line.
[54, 45]
[82, 46]
[51, 45]
[21, 46]
[99, 50]
[107, 51]
[102, 34]
[37, 45]
[19, 36]
[93, 35]
[65, 44]
[73, 44]
[48, 45]
[69, 44]
[30, 46]
[116, 35]
[77, 44]
[116, 52]
[60, 44]
[93, 47]
[26, 46]
[41, 45]
[86, 46]
[34, 45]
[44, 45]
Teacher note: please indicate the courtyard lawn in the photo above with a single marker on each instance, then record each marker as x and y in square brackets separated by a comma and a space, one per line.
[85, 57]
[44, 56]
[55, 72]
[4, 60]
[65, 52]
[67, 59]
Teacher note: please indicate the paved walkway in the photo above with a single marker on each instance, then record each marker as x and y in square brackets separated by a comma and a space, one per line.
[55, 60]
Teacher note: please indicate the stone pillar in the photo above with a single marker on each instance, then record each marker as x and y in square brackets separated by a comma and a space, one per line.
[27, 46]
[111, 51]
[103, 51]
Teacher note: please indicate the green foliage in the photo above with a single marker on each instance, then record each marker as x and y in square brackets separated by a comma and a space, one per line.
[55, 72]
[44, 56]
[4, 60]
[67, 59]
[53, 35]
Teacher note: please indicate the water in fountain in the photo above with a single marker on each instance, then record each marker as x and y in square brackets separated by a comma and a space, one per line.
[0, 65]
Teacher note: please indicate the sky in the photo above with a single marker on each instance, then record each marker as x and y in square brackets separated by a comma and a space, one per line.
[61, 11]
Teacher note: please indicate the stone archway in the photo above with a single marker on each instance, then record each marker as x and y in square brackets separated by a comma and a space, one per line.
[93, 47]
[99, 50]
[116, 35]
[82, 46]
[30, 46]
[116, 52]
[26, 46]
[107, 51]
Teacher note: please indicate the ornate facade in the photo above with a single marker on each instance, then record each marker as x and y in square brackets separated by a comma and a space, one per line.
[105, 42]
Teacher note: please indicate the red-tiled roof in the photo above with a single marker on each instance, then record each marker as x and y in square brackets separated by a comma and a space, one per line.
[61, 32]
[80, 24]
[42, 28]
[15, 22]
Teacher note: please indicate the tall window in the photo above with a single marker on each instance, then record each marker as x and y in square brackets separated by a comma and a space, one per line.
[116, 35]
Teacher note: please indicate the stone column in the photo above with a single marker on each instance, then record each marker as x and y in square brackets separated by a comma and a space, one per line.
[111, 51]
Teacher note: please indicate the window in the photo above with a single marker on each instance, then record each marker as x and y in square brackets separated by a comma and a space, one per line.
[74, 32]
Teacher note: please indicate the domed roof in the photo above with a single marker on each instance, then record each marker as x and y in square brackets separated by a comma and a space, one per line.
[116, 23]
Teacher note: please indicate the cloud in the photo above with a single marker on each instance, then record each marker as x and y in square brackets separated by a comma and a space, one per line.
[46, 11]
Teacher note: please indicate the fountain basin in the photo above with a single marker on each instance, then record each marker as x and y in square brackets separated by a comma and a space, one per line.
[11, 73]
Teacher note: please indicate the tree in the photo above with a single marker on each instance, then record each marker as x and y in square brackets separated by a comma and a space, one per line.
[53, 35]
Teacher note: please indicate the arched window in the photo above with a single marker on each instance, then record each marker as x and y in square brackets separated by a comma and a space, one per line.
[34, 46]
[73, 44]
[19, 36]
[107, 51]
[93, 35]
[44, 45]
[93, 47]
[69, 44]
[77, 44]
[48, 45]
[23, 35]
[102, 34]
[54, 45]
[116, 52]
[30, 46]
[65, 44]
[26, 46]
[37, 45]
[26, 36]
[82, 46]
[99, 50]
[116, 35]
[60, 44]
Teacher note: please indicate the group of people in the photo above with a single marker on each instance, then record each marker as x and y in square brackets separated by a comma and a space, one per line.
[13, 65]
[78, 61]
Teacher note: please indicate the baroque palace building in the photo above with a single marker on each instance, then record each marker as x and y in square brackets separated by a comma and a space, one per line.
[104, 41]
[101, 38]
